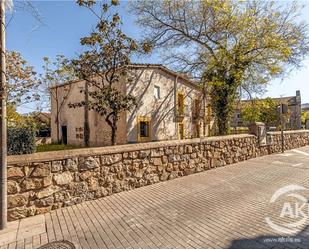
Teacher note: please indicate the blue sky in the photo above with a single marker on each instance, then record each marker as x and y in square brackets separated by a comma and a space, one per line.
[65, 23]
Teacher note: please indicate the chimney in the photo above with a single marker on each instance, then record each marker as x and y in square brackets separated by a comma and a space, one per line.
[298, 93]
[298, 97]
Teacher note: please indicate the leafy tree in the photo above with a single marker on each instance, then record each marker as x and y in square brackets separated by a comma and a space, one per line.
[230, 45]
[56, 73]
[22, 88]
[102, 66]
[262, 110]
[16, 120]
[22, 83]
[304, 117]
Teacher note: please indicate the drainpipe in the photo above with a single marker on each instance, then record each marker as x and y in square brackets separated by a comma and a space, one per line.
[175, 105]
[86, 116]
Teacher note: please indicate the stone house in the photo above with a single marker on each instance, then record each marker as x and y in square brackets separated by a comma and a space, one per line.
[169, 106]
[293, 104]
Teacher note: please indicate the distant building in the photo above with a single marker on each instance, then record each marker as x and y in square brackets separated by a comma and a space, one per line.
[294, 109]
[42, 120]
[170, 106]
[305, 110]
[305, 107]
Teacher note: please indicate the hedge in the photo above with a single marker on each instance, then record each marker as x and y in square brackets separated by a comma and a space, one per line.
[21, 141]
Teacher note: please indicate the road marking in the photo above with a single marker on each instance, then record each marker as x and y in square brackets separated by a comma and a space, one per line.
[298, 164]
[286, 154]
[301, 152]
[279, 162]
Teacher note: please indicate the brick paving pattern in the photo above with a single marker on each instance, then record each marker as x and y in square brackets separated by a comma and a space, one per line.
[221, 208]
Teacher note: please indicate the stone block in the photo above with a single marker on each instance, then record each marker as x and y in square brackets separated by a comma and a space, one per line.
[157, 153]
[42, 210]
[185, 157]
[101, 192]
[145, 162]
[150, 169]
[15, 172]
[133, 155]
[173, 175]
[41, 170]
[12, 187]
[47, 192]
[182, 165]
[168, 151]
[20, 212]
[173, 158]
[78, 187]
[28, 170]
[105, 170]
[169, 167]
[63, 178]
[216, 155]
[88, 163]
[127, 161]
[85, 175]
[164, 176]
[47, 181]
[93, 184]
[215, 163]
[156, 161]
[143, 154]
[111, 159]
[56, 166]
[17, 200]
[71, 164]
[189, 149]
[121, 175]
[176, 167]
[59, 197]
[31, 183]
[160, 168]
[181, 150]
[73, 201]
[193, 155]
[189, 171]
[45, 202]
[164, 159]
[139, 173]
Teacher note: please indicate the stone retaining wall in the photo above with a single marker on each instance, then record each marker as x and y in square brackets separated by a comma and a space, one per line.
[41, 182]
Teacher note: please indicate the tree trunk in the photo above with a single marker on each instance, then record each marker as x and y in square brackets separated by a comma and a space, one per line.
[57, 123]
[223, 125]
[113, 136]
[113, 125]
[223, 98]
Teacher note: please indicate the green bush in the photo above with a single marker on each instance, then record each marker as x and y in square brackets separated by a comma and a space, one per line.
[21, 141]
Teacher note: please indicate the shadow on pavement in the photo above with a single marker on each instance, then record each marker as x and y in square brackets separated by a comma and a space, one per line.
[299, 240]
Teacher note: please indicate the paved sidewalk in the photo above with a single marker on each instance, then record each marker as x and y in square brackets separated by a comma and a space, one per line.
[221, 208]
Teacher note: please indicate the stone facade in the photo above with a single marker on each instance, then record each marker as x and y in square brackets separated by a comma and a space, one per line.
[155, 88]
[41, 182]
[293, 104]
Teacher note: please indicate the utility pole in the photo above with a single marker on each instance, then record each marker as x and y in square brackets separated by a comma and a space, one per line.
[3, 130]
[283, 109]
[282, 135]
